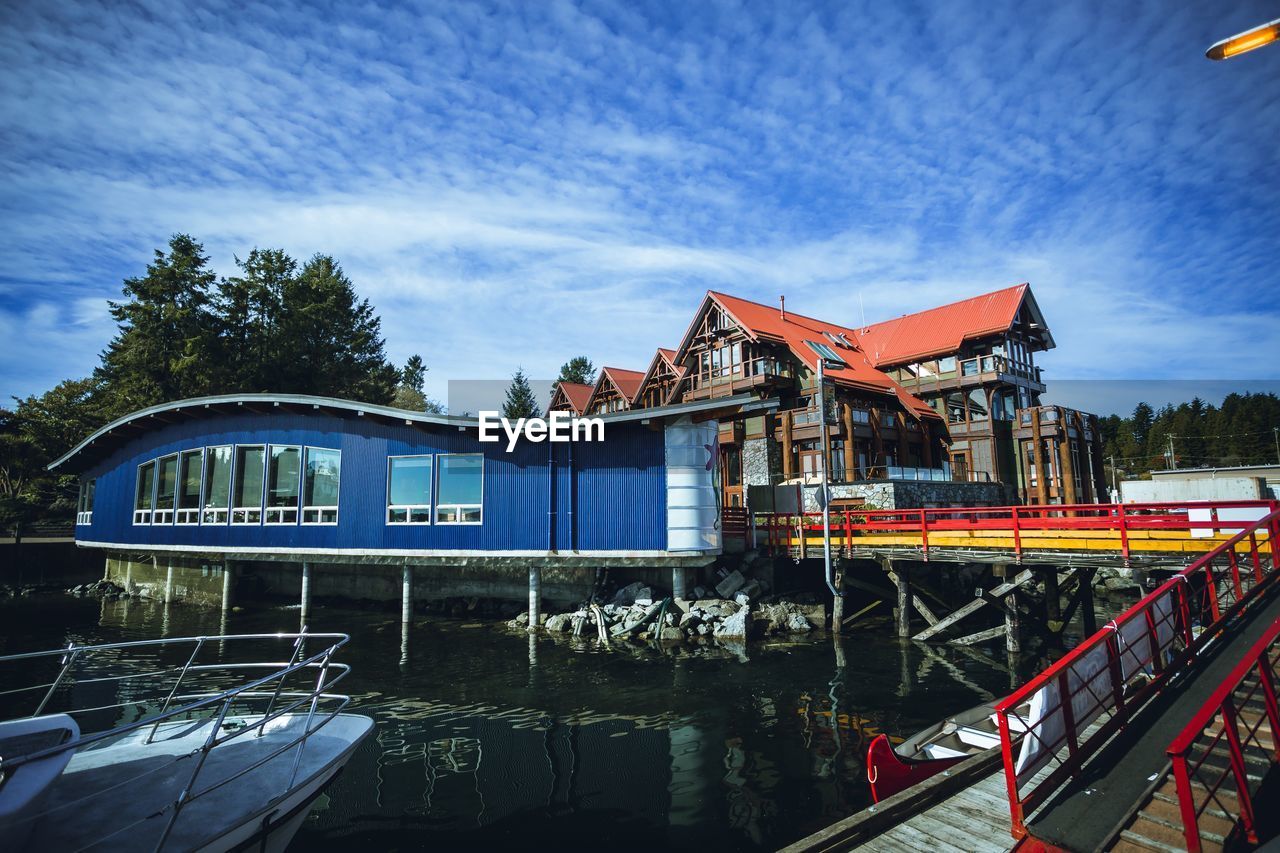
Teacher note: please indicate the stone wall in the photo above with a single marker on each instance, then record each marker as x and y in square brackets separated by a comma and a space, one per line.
[761, 462]
[195, 581]
[909, 494]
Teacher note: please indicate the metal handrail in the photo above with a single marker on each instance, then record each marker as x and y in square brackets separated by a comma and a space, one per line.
[329, 674]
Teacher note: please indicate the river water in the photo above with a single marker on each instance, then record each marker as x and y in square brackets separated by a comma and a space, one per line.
[486, 737]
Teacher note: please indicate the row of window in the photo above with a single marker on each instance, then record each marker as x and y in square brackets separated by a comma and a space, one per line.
[281, 484]
[243, 484]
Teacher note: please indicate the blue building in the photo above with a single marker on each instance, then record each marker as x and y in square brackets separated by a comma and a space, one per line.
[276, 477]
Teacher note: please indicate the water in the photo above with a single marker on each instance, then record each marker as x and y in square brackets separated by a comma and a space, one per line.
[487, 737]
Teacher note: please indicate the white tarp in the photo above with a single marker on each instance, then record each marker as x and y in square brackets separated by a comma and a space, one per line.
[1089, 681]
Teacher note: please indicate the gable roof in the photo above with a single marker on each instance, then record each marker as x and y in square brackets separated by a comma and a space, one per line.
[942, 330]
[662, 356]
[575, 393]
[767, 323]
[626, 382]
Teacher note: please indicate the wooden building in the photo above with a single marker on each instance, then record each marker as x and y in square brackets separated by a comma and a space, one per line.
[615, 391]
[570, 397]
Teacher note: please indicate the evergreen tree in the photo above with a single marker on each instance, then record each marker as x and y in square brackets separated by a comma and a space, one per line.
[578, 369]
[520, 402]
[163, 350]
[409, 392]
[249, 309]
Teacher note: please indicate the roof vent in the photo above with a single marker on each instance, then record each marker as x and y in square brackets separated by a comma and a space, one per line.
[782, 307]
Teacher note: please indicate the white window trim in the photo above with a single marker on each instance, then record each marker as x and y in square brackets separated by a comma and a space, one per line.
[409, 508]
[267, 511]
[157, 512]
[197, 511]
[205, 511]
[457, 507]
[302, 490]
[137, 480]
[85, 516]
[262, 490]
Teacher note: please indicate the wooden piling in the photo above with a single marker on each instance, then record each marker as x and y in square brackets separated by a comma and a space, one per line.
[1087, 614]
[535, 599]
[1052, 597]
[1012, 628]
[904, 598]
[837, 604]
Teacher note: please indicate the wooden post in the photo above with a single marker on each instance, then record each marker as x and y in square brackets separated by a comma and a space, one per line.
[1068, 460]
[1052, 599]
[837, 604]
[406, 594]
[1012, 628]
[926, 443]
[535, 598]
[904, 598]
[306, 594]
[1037, 450]
[1087, 614]
[1086, 481]
[850, 472]
[877, 440]
[786, 445]
[903, 456]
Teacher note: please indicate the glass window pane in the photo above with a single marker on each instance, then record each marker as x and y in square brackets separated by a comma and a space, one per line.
[410, 481]
[324, 467]
[282, 477]
[146, 486]
[189, 480]
[249, 476]
[460, 479]
[977, 405]
[217, 480]
[166, 482]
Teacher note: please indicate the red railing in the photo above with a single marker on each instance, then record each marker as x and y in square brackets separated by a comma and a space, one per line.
[782, 531]
[1240, 729]
[1086, 696]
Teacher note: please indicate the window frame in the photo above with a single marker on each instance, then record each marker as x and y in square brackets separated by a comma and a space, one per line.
[409, 509]
[164, 515]
[826, 353]
[209, 514]
[457, 507]
[262, 488]
[187, 516]
[281, 511]
[143, 515]
[84, 502]
[320, 509]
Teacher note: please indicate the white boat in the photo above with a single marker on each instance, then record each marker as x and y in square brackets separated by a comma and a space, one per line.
[140, 746]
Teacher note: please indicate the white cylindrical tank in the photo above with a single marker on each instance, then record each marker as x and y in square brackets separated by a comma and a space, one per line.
[693, 511]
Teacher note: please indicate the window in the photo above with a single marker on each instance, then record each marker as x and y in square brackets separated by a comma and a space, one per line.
[145, 494]
[321, 473]
[217, 485]
[838, 339]
[190, 464]
[246, 504]
[459, 488]
[283, 473]
[166, 489]
[977, 405]
[84, 506]
[409, 490]
[825, 352]
[947, 364]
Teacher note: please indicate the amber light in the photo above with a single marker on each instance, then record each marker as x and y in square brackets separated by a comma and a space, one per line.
[1246, 41]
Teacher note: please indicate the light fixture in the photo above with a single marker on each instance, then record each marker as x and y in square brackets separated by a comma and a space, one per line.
[1245, 41]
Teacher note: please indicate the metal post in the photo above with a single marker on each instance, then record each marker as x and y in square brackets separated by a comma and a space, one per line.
[535, 596]
[306, 593]
[678, 583]
[168, 583]
[228, 585]
[406, 594]
[904, 598]
[826, 492]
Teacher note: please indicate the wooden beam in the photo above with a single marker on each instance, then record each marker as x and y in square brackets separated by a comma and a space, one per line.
[1037, 454]
[848, 620]
[999, 592]
[916, 601]
[981, 636]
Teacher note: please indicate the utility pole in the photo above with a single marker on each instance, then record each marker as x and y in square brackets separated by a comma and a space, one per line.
[1275, 431]
[1114, 488]
[826, 503]
[1173, 463]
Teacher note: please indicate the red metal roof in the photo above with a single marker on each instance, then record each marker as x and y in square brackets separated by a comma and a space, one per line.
[577, 394]
[662, 355]
[942, 330]
[626, 381]
[768, 323]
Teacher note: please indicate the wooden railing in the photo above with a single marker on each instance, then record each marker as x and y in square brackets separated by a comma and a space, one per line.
[1082, 700]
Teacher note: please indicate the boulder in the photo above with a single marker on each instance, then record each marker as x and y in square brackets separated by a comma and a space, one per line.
[690, 621]
[751, 589]
[700, 591]
[797, 624]
[742, 599]
[560, 623]
[670, 634]
[731, 584]
[736, 626]
[629, 593]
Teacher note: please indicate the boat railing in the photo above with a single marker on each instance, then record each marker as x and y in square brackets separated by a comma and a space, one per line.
[268, 691]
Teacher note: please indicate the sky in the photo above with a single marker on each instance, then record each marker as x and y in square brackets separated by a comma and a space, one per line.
[515, 184]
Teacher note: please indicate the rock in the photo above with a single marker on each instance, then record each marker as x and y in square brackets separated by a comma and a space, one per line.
[1119, 584]
[670, 619]
[751, 589]
[644, 601]
[731, 584]
[560, 623]
[743, 599]
[814, 614]
[670, 634]
[700, 591]
[736, 626]
[690, 621]
[632, 591]
[797, 624]
[704, 629]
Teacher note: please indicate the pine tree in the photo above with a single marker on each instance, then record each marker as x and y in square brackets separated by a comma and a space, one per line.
[163, 350]
[578, 369]
[249, 307]
[520, 402]
[409, 392]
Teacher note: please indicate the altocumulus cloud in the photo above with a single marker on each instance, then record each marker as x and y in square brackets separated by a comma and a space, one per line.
[516, 184]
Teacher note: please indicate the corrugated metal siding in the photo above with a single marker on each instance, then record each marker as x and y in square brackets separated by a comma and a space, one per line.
[619, 498]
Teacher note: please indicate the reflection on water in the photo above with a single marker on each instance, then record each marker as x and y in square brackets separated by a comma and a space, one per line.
[490, 737]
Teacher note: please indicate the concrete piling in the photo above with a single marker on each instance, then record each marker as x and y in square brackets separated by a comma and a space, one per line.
[535, 597]
[228, 585]
[168, 584]
[306, 594]
[406, 595]
[678, 582]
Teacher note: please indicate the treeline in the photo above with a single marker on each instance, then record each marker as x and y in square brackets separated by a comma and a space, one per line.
[1239, 432]
[277, 325]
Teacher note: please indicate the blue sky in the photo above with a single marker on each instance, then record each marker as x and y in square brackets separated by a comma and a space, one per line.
[516, 184]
